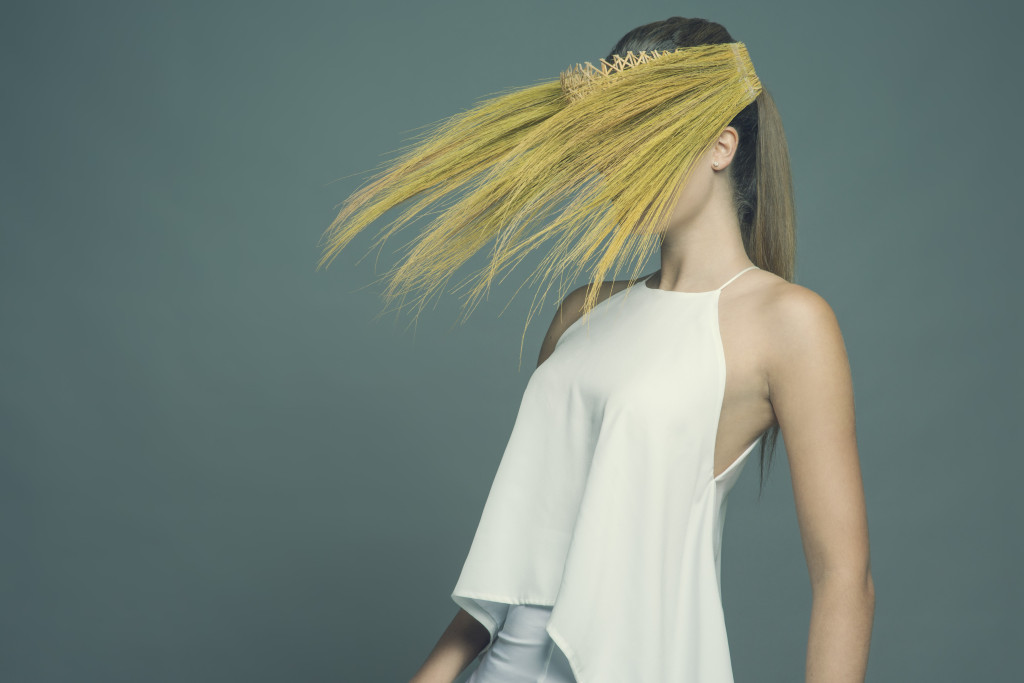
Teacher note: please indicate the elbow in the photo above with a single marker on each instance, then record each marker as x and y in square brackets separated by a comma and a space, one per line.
[851, 581]
[852, 573]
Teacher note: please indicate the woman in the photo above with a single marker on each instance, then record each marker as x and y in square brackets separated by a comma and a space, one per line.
[597, 554]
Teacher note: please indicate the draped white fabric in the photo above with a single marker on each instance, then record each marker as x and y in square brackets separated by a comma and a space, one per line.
[604, 506]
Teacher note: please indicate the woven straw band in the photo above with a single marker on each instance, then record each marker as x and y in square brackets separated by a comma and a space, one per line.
[580, 79]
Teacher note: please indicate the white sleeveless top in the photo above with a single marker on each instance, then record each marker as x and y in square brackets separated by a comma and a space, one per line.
[605, 505]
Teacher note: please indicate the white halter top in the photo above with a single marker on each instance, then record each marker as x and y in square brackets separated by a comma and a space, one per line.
[604, 505]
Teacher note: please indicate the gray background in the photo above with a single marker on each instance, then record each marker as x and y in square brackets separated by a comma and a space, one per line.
[218, 467]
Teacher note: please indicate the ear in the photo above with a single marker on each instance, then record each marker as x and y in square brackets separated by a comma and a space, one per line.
[724, 148]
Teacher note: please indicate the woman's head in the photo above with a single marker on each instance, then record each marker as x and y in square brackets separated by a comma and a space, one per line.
[769, 239]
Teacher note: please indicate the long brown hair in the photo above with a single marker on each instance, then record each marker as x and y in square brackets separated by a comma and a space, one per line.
[760, 171]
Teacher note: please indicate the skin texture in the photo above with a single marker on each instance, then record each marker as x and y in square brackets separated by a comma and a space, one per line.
[787, 363]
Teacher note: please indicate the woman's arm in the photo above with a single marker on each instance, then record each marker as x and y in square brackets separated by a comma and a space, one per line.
[811, 391]
[459, 645]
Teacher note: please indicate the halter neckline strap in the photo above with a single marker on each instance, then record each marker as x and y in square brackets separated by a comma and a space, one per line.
[643, 284]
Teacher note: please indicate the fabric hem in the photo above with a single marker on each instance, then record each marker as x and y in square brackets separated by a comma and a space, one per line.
[570, 654]
[467, 602]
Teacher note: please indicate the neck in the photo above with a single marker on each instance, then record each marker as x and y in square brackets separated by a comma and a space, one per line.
[701, 253]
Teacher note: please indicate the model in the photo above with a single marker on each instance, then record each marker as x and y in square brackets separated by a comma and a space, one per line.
[597, 554]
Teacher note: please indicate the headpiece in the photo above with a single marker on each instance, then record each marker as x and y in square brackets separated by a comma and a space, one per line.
[613, 143]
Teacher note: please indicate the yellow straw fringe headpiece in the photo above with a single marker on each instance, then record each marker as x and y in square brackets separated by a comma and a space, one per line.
[579, 80]
[616, 143]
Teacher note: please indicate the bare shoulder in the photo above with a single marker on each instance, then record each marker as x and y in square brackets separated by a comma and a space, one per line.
[801, 331]
[571, 309]
[796, 312]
